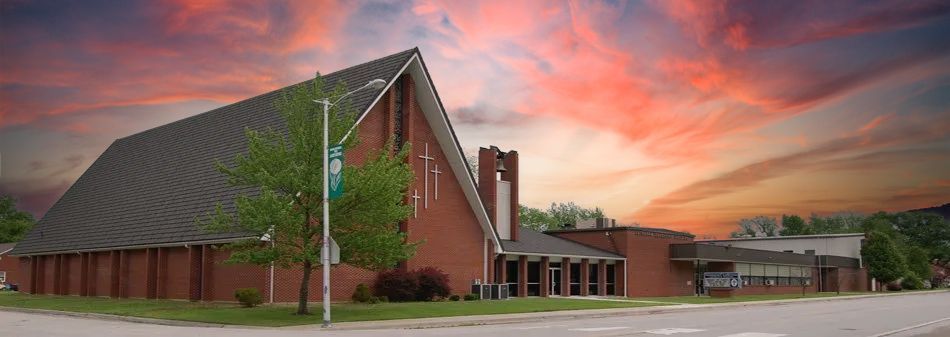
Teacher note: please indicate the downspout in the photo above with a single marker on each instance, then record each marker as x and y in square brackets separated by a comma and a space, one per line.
[626, 278]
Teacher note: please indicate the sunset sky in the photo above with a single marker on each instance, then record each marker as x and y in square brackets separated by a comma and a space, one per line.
[685, 115]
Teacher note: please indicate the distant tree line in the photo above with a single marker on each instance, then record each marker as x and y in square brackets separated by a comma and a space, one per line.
[558, 215]
[899, 246]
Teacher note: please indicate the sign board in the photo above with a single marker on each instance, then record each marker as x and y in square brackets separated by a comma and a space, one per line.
[729, 280]
[336, 171]
[334, 253]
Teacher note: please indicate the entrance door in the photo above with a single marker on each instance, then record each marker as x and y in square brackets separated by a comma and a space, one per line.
[555, 281]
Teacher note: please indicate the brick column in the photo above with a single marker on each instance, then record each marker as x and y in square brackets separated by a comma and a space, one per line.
[161, 274]
[151, 272]
[92, 274]
[57, 274]
[487, 182]
[34, 274]
[123, 273]
[545, 277]
[523, 276]
[114, 273]
[566, 276]
[501, 274]
[620, 279]
[602, 277]
[207, 258]
[585, 277]
[64, 273]
[194, 273]
[83, 274]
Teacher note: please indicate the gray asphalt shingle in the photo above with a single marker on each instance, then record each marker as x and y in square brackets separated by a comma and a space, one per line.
[531, 241]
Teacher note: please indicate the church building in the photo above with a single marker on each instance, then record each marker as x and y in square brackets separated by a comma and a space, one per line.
[126, 228]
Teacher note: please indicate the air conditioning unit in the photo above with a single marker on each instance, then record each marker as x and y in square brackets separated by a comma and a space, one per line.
[770, 282]
[482, 290]
[499, 291]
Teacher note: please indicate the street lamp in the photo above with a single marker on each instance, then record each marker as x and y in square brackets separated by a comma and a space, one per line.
[325, 251]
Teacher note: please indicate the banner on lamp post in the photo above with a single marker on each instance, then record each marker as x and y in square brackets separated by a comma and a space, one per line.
[336, 171]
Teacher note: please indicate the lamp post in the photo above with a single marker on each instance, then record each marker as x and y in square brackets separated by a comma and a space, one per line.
[325, 251]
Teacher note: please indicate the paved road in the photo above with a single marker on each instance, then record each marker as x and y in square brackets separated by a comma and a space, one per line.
[891, 316]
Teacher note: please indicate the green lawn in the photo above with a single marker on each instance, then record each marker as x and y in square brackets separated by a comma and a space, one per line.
[746, 298]
[280, 315]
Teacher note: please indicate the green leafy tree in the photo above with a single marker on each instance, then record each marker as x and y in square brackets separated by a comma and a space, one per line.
[14, 224]
[918, 261]
[884, 260]
[534, 218]
[926, 230]
[795, 225]
[286, 168]
[756, 226]
[557, 215]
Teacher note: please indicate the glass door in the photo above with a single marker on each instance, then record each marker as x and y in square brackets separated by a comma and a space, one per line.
[555, 281]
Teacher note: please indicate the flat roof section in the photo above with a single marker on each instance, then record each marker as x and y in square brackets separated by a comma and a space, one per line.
[790, 237]
[708, 252]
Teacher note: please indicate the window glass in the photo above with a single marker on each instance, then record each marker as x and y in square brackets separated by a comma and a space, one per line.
[742, 268]
[795, 271]
[575, 273]
[757, 270]
[611, 274]
[534, 272]
[806, 272]
[511, 274]
[771, 270]
[783, 271]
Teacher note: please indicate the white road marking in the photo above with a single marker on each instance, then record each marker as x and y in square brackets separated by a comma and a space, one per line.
[910, 327]
[606, 328]
[755, 334]
[538, 327]
[670, 331]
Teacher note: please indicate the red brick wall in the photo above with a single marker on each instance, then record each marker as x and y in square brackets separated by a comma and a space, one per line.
[72, 273]
[103, 273]
[649, 269]
[177, 271]
[49, 274]
[228, 277]
[135, 273]
[21, 274]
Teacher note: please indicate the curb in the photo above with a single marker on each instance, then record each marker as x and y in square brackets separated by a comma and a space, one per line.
[446, 322]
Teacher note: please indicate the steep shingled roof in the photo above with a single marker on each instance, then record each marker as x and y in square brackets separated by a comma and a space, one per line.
[148, 188]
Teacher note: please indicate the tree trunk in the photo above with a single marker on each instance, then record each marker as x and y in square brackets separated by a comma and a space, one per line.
[304, 289]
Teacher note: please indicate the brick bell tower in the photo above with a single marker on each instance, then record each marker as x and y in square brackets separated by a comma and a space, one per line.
[498, 189]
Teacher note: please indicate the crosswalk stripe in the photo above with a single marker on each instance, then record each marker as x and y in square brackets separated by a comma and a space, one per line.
[671, 331]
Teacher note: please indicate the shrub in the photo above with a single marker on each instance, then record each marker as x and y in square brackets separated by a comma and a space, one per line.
[471, 297]
[361, 294]
[248, 297]
[397, 285]
[454, 298]
[373, 300]
[912, 282]
[432, 283]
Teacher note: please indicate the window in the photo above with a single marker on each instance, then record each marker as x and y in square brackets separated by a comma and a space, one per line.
[534, 278]
[511, 277]
[809, 252]
[592, 279]
[3, 276]
[397, 114]
[788, 251]
[575, 278]
[611, 279]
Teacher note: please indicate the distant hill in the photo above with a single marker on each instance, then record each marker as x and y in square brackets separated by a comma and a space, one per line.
[942, 210]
